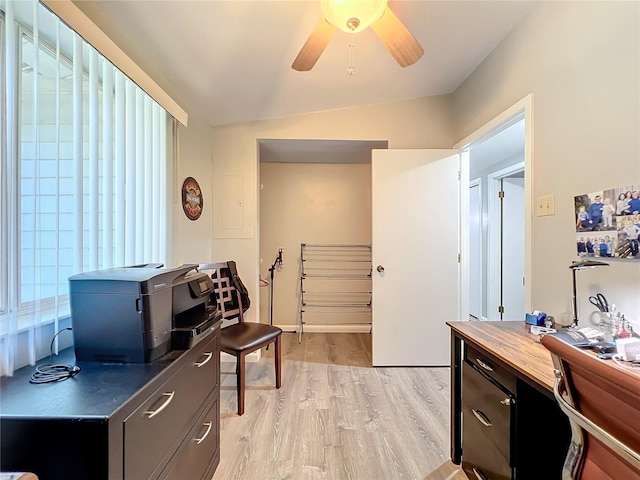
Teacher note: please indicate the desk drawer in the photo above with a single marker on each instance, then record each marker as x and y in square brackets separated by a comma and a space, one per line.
[491, 367]
[199, 449]
[486, 427]
[155, 429]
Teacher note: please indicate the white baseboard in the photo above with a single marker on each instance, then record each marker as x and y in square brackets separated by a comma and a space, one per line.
[343, 328]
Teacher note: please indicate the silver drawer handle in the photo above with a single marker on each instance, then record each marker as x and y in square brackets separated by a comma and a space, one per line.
[201, 439]
[204, 362]
[484, 365]
[479, 474]
[482, 417]
[153, 413]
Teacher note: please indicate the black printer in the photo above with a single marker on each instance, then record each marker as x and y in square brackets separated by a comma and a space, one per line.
[137, 314]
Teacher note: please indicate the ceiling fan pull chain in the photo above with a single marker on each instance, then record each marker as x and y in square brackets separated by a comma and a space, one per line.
[351, 68]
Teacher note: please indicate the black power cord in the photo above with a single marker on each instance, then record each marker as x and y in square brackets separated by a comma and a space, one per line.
[48, 372]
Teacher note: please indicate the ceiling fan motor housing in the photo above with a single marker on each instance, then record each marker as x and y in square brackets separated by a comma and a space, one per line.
[352, 16]
[352, 24]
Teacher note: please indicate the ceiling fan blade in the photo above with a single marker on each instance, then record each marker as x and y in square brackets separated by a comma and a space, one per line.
[314, 46]
[398, 39]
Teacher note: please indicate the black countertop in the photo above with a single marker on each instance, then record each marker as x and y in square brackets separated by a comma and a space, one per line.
[97, 392]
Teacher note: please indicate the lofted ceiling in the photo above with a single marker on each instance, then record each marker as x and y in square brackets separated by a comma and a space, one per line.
[230, 60]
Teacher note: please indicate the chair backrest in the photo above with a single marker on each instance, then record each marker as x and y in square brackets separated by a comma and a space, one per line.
[226, 295]
[602, 402]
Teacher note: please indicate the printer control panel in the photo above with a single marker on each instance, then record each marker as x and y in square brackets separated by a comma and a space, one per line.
[201, 286]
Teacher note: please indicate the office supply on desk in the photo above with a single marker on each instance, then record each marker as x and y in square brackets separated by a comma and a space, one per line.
[540, 330]
[628, 349]
[535, 318]
[593, 334]
[604, 347]
[573, 337]
[600, 302]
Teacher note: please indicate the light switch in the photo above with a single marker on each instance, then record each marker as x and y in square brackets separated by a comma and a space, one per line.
[545, 206]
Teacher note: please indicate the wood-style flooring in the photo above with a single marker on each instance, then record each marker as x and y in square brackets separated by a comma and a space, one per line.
[335, 417]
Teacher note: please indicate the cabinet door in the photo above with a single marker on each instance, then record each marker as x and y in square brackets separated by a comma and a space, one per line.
[486, 427]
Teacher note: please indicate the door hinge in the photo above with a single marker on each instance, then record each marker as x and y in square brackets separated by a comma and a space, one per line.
[459, 175]
[458, 258]
[501, 194]
[500, 309]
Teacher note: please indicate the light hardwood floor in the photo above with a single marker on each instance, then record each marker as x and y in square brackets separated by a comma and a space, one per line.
[335, 417]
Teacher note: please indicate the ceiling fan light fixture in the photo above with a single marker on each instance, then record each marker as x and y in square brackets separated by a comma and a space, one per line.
[352, 16]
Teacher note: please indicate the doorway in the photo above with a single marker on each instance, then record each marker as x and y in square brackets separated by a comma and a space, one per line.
[505, 266]
[311, 192]
[496, 232]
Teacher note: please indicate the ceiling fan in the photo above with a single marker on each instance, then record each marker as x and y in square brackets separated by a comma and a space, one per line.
[353, 16]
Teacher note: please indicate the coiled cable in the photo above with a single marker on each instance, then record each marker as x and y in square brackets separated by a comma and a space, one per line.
[48, 372]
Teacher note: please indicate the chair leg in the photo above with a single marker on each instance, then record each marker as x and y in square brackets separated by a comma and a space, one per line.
[240, 380]
[277, 360]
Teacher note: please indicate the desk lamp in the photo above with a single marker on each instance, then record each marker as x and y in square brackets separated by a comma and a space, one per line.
[575, 266]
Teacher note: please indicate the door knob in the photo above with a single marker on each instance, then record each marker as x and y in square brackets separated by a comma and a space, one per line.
[380, 268]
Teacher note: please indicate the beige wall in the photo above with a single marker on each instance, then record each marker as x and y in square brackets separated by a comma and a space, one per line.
[421, 123]
[191, 239]
[581, 61]
[313, 204]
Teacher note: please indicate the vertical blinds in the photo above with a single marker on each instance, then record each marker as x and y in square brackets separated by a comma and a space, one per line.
[86, 176]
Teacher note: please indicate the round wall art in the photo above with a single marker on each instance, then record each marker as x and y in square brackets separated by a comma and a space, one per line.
[191, 198]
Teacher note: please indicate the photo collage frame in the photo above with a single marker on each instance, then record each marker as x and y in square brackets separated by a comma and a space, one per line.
[607, 223]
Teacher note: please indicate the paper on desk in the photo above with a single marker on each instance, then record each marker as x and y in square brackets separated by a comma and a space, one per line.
[590, 332]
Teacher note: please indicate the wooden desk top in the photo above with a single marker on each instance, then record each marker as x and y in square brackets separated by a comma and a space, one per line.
[511, 343]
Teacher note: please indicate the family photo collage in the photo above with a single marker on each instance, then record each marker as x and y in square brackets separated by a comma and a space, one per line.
[608, 223]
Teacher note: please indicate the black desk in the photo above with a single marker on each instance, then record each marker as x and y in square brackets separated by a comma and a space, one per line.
[529, 435]
[97, 425]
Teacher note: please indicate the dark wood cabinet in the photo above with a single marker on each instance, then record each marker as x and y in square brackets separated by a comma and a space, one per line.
[505, 423]
[117, 421]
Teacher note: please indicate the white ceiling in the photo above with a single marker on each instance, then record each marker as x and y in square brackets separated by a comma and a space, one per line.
[507, 144]
[230, 60]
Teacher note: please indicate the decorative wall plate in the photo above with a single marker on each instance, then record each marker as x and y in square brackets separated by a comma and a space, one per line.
[192, 202]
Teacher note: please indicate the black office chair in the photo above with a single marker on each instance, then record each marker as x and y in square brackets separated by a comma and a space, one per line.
[242, 338]
[602, 402]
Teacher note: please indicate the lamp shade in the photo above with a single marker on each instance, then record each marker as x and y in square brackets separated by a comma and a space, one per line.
[352, 16]
[587, 264]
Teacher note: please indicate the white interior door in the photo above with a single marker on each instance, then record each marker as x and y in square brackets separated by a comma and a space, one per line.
[415, 229]
[506, 260]
[513, 248]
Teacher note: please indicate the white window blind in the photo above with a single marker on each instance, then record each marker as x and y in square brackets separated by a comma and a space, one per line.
[84, 170]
